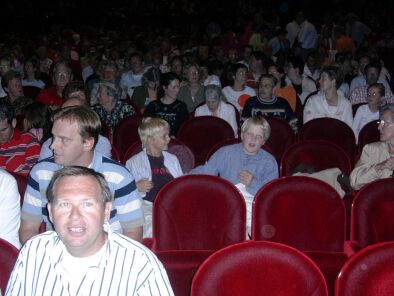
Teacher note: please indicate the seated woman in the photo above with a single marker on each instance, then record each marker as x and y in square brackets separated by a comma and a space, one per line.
[110, 108]
[329, 102]
[153, 166]
[192, 92]
[214, 106]
[148, 91]
[168, 107]
[377, 159]
[238, 93]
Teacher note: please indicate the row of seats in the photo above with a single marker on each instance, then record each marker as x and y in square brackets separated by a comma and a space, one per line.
[196, 215]
[201, 134]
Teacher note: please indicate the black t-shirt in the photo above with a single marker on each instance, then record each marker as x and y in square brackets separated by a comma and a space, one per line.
[160, 176]
[175, 113]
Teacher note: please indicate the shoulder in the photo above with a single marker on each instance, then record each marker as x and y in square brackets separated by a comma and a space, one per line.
[170, 156]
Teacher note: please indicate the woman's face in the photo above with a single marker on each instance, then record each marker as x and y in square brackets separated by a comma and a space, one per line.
[172, 89]
[240, 76]
[103, 97]
[192, 74]
[212, 104]
[176, 67]
[274, 72]
[109, 74]
[153, 85]
[386, 127]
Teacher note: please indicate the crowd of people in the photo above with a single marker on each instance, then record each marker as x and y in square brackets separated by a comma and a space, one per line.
[60, 88]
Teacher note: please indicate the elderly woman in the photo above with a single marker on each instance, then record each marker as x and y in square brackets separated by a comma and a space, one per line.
[153, 166]
[108, 72]
[110, 108]
[192, 92]
[148, 91]
[214, 106]
[377, 159]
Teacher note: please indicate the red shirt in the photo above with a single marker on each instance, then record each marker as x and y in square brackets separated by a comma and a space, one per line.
[20, 153]
[49, 96]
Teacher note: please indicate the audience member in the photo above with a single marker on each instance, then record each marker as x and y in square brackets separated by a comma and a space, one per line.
[37, 121]
[168, 107]
[329, 102]
[75, 133]
[10, 209]
[110, 108]
[5, 66]
[215, 106]
[370, 111]
[267, 104]
[131, 79]
[18, 151]
[153, 167]
[83, 256]
[256, 69]
[32, 74]
[192, 92]
[377, 161]
[148, 91]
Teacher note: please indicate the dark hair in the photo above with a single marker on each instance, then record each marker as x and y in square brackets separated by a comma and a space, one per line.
[74, 86]
[166, 79]
[8, 76]
[259, 55]
[379, 86]
[152, 74]
[333, 72]
[37, 115]
[137, 54]
[375, 65]
[281, 71]
[76, 171]
[273, 79]
[297, 63]
[7, 111]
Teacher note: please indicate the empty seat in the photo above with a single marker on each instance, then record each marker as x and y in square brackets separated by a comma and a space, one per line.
[8, 256]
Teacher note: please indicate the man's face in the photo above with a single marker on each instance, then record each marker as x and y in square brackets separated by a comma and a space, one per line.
[4, 67]
[78, 214]
[6, 130]
[159, 141]
[372, 75]
[67, 144]
[62, 76]
[136, 65]
[255, 65]
[252, 139]
[265, 88]
[14, 88]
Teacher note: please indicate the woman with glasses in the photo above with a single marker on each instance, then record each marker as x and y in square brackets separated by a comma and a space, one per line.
[377, 159]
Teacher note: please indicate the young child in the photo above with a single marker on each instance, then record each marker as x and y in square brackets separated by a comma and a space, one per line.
[369, 112]
[37, 121]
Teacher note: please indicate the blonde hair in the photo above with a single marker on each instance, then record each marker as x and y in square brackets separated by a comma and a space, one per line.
[149, 127]
[258, 121]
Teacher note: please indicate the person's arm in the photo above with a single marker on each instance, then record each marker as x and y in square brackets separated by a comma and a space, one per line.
[28, 229]
[213, 165]
[309, 112]
[135, 233]
[45, 151]
[268, 171]
[32, 154]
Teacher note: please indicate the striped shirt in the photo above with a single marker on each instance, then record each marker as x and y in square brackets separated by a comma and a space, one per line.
[125, 268]
[126, 213]
[20, 153]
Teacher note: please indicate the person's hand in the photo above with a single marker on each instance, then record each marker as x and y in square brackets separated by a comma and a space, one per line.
[245, 177]
[144, 185]
[386, 164]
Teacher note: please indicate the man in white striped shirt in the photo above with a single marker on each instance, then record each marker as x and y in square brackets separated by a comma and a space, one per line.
[83, 256]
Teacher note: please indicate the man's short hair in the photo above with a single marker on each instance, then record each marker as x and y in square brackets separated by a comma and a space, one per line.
[258, 121]
[149, 127]
[61, 64]
[8, 76]
[269, 76]
[73, 87]
[7, 111]
[334, 72]
[76, 171]
[375, 65]
[89, 124]
[297, 63]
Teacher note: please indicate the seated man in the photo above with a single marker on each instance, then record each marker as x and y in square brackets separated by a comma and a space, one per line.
[266, 104]
[245, 165]
[10, 210]
[18, 151]
[75, 133]
[83, 256]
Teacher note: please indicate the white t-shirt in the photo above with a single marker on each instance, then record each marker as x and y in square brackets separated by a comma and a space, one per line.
[35, 82]
[362, 117]
[234, 97]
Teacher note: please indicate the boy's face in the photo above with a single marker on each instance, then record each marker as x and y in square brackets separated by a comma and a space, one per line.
[374, 98]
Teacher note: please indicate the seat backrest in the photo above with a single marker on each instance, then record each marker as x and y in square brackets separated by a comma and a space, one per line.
[198, 212]
[302, 212]
[282, 136]
[318, 154]
[258, 268]
[369, 272]
[372, 217]
[21, 180]
[330, 129]
[201, 133]
[368, 134]
[126, 133]
[8, 256]
[176, 147]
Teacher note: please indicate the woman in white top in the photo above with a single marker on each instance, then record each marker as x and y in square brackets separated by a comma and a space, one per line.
[370, 111]
[329, 102]
[153, 166]
[32, 74]
[214, 106]
[238, 93]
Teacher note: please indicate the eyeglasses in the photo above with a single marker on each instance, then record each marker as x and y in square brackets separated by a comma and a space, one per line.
[383, 123]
